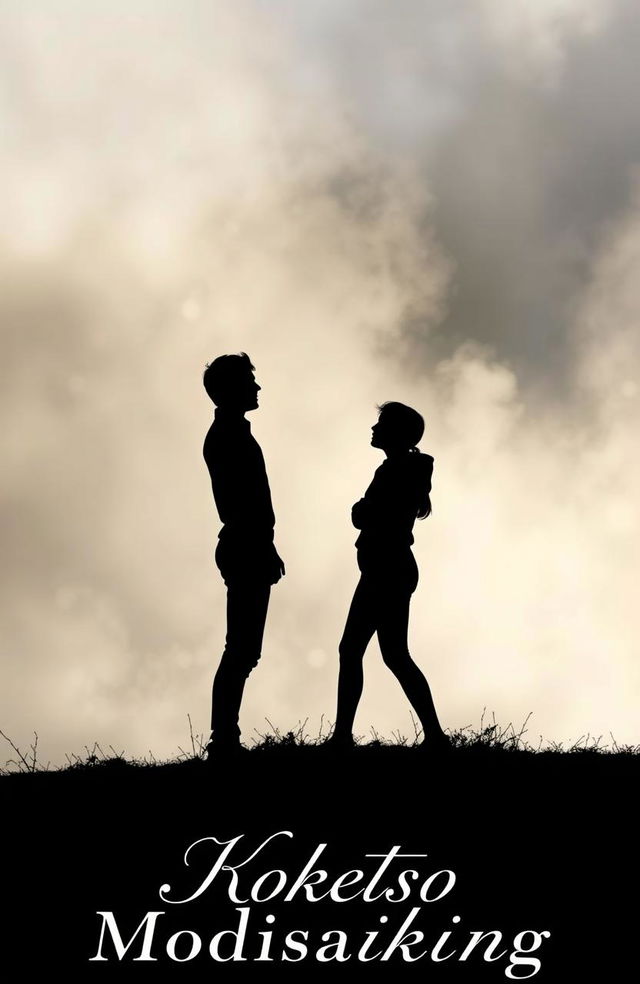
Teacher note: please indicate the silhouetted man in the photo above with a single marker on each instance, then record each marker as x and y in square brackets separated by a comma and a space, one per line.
[245, 555]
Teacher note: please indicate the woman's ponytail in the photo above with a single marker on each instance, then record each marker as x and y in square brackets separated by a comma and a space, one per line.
[424, 505]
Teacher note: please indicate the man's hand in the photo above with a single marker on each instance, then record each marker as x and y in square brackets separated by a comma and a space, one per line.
[277, 567]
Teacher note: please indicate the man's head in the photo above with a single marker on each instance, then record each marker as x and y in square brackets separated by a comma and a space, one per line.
[230, 382]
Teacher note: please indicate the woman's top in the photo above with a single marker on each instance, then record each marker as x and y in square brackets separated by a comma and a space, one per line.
[386, 513]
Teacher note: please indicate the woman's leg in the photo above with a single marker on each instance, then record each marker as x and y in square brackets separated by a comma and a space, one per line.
[357, 634]
[392, 625]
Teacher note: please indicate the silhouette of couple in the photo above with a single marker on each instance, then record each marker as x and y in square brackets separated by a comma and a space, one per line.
[250, 564]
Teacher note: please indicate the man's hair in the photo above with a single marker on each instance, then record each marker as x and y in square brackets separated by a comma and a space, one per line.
[407, 423]
[221, 376]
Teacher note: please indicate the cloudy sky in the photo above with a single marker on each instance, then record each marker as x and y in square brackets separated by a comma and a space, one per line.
[430, 201]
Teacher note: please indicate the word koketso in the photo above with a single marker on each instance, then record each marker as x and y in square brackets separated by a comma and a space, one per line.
[236, 872]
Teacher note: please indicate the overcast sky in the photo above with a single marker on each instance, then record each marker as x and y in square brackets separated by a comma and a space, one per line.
[430, 201]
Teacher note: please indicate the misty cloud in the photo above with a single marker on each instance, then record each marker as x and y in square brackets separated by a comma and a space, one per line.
[427, 202]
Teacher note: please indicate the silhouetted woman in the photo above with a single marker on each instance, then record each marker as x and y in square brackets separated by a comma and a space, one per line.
[398, 494]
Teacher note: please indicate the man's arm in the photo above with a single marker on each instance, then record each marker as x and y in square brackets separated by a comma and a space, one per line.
[243, 500]
[227, 490]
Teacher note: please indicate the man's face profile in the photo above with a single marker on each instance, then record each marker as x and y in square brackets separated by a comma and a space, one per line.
[246, 391]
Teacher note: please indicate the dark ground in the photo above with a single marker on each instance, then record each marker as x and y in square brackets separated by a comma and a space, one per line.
[537, 841]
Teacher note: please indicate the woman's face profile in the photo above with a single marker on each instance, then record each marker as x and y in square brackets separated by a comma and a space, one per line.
[382, 435]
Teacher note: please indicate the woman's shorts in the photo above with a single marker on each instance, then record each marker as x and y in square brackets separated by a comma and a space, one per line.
[391, 570]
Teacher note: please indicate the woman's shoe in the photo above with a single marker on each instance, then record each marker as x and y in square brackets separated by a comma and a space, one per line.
[339, 743]
[437, 746]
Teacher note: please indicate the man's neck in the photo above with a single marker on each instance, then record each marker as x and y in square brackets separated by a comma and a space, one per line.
[231, 414]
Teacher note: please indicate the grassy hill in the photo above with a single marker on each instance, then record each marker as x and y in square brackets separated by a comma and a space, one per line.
[499, 844]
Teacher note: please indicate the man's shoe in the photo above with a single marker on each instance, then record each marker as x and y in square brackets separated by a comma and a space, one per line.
[219, 750]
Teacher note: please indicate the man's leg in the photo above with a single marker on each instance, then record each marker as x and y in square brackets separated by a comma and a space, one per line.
[247, 604]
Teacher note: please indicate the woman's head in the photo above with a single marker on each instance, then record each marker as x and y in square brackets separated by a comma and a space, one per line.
[398, 427]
